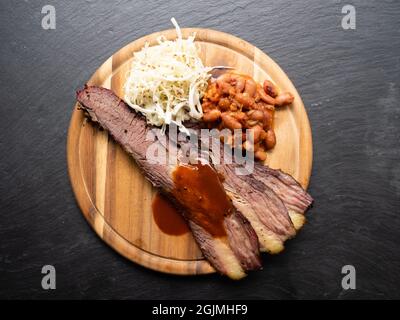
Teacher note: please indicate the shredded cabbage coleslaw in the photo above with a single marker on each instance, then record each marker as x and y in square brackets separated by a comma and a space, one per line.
[166, 81]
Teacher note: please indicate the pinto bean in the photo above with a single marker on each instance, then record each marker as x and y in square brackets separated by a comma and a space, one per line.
[264, 97]
[260, 155]
[244, 99]
[231, 79]
[258, 106]
[284, 99]
[239, 116]
[250, 87]
[270, 139]
[230, 122]
[226, 77]
[212, 115]
[257, 131]
[256, 115]
[226, 88]
[240, 84]
[270, 88]
[266, 106]
[268, 119]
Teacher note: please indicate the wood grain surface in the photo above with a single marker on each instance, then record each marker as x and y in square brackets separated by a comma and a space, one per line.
[115, 197]
[349, 81]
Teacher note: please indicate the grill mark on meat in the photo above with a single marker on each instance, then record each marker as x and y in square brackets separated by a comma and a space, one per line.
[233, 254]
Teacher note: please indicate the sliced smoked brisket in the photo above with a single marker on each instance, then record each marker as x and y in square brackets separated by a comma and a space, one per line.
[272, 201]
[233, 253]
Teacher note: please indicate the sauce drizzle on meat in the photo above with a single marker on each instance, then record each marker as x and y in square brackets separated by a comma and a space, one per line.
[199, 189]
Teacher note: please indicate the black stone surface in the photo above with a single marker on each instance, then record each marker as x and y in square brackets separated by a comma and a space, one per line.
[349, 81]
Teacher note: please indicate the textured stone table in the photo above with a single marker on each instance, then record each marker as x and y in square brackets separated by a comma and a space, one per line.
[349, 81]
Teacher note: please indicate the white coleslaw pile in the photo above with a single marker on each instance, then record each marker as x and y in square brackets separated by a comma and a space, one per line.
[167, 81]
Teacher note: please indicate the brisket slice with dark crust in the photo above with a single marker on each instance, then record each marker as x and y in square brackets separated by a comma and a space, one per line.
[294, 197]
[262, 207]
[276, 198]
[271, 200]
[285, 186]
[233, 254]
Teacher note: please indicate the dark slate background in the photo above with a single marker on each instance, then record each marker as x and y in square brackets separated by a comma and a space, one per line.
[349, 81]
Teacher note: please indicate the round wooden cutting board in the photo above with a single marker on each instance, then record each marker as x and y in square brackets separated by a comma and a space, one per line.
[112, 193]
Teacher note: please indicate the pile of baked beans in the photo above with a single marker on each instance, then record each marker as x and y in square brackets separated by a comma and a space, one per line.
[236, 101]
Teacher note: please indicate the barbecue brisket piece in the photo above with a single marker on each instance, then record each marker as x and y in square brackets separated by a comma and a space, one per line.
[262, 207]
[273, 201]
[232, 254]
[294, 197]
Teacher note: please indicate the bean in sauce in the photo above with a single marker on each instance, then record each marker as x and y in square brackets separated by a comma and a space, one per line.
[236, 101]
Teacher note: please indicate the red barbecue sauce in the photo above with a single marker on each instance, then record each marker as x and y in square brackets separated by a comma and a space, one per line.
[198, 188]
[167, 218]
